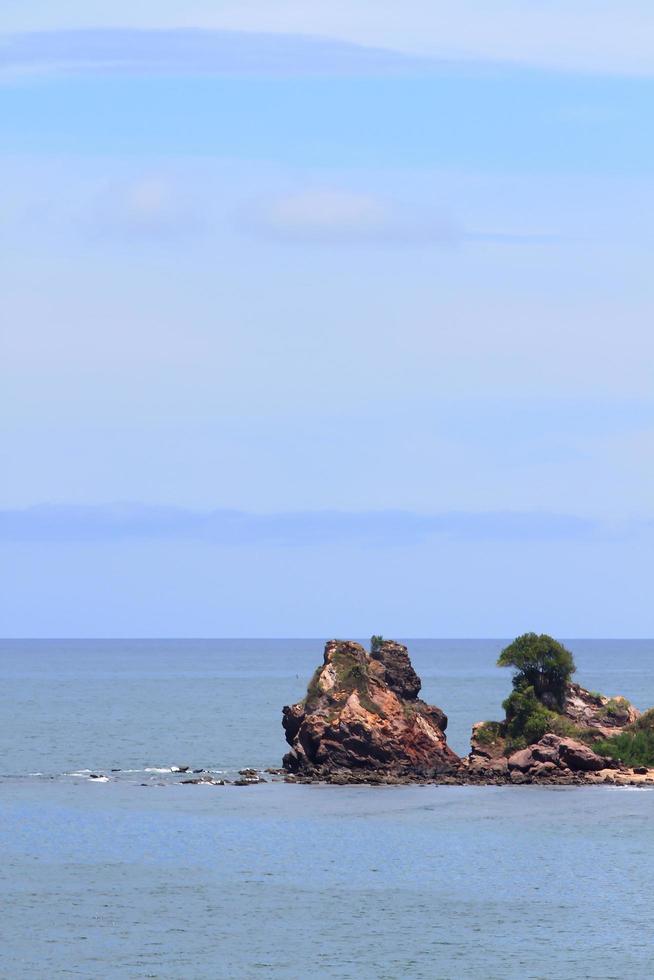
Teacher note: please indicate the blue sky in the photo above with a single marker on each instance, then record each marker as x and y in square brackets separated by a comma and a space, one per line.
[332, 322]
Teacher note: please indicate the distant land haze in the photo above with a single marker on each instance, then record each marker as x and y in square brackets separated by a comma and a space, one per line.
[224, 526]
[140, 570]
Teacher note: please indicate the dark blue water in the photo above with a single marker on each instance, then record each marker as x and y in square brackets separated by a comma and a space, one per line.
[119, 879]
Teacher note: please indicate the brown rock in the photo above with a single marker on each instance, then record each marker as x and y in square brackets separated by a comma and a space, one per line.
[362, 717]
[398, 669]
[543, 770]
[545, 752]
[575, 755]
[608, 716]
[522, 760]
[553, 755]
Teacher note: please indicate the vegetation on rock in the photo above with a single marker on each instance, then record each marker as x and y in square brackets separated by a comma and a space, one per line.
[635, 745]
[527, 720]
[489, 732]
[617, 709]
[540, 663]
[545, 700]
[543, 668]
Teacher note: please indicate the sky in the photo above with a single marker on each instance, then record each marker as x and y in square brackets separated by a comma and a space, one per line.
[326, 319]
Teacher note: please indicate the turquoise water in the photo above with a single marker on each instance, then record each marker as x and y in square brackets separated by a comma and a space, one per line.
[118, 879]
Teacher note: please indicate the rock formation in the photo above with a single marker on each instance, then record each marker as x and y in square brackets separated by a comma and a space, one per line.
[362, 720]
[550, 761]
[559, 756]
[584, 712]
[606, 716]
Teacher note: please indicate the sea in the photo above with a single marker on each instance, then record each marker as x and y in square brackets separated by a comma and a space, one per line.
[138, 875]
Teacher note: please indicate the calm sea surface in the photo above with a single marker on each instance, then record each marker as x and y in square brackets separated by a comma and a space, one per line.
[140, 876]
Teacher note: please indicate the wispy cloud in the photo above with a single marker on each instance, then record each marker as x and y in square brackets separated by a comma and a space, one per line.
[68, 523]
[150, 205]
[329, 215]
[332, 215]
[198, 52]
[568, 35]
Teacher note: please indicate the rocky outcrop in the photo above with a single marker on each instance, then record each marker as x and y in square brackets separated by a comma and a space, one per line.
[552, 760]
[584, 713]
[553, 754]
[562, 756]
[398, 669]
[488, 749]
[589, 710]
[362, 720]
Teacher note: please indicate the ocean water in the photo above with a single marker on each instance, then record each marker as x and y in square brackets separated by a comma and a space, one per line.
[140, 876]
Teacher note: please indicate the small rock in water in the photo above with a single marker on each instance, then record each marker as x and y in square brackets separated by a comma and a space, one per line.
[206, 780]
[249, 780]
[179, 768]
[116, 770]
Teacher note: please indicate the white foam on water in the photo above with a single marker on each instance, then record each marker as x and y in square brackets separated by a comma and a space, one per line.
[632, 789]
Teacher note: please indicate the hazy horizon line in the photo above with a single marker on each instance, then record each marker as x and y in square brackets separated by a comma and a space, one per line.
[227, 526]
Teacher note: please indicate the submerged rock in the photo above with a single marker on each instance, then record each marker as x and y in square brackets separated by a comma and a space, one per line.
[205, 780]
[362, 719]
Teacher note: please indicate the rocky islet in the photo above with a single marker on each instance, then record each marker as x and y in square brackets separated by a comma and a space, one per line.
[363, 722]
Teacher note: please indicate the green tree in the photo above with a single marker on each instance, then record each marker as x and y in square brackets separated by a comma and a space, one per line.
[540, 663]
[375, 643]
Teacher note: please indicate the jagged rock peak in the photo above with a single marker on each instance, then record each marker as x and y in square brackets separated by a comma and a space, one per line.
[398, 669]
[362, 716]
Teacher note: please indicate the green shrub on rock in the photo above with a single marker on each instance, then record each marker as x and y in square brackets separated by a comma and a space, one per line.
[543, 668]
[634, 746]
[527, 718]
[489, 732]
[541, 664]
[616, 709]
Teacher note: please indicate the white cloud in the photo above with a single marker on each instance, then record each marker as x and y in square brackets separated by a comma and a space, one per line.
[328, 215]
[151, 205]
[150, 202]
[576, 35]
